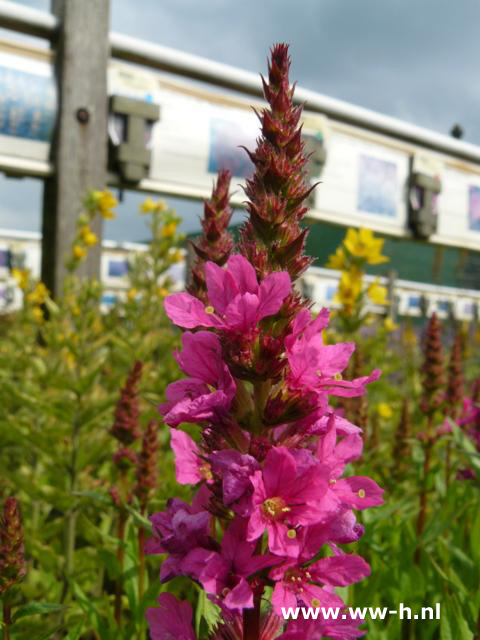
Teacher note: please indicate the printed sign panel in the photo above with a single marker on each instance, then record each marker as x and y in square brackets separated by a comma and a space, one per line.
[27, 104]
[377, 186]
[227, 137]
[474, 208]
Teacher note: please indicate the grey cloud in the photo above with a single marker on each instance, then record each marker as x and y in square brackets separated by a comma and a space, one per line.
[417, 60]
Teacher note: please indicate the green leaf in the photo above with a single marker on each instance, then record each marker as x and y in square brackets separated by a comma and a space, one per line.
[36, 608]
[206, 614]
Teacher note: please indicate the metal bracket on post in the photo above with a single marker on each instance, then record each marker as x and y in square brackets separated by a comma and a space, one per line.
[130, 127]
[315, 148]
[422, 215]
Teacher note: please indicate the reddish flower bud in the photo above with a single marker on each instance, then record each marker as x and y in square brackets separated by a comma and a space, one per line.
[124, 458]
[147, 464]
[12, 560]
[216, 243]
[432, 369]
[125, 427]
[272, 239]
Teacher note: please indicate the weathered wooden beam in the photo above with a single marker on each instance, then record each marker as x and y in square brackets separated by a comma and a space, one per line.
[79, 148]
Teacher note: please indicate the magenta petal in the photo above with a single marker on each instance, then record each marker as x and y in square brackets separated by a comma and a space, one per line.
[186, 311]
[273, 291]
[241, 313]
[282, 597]
[279, 470]
[340, 571]
[333, 358]
[359, 492]
[187, 462]
[201, 356]
[243, 273]
[221, 287]
[240, 597]
[171, 619]
[256, 524]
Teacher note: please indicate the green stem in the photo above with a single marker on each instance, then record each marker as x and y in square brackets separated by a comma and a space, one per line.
[7, 618]
[122, 519]
[141, 562]
[422, 513]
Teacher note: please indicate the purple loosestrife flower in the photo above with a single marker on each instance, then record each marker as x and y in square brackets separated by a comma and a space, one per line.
[286, 495]
[224, 573]
[317, 367]
[276, 497]
[237, 303]
[235, 469]
[310, 584]
[177, 531]
[171, 619]
[193, 399]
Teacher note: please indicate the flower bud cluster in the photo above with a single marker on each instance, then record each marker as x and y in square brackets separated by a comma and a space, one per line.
[12, 561]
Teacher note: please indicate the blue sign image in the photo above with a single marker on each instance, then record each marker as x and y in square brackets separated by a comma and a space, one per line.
[27, 104]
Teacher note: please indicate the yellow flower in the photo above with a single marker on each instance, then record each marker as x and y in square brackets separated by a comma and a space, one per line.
[169, 229]
[162, 292]
[105, 202]
[337, 259]
[363, 244]
[389, 324]
[88, 236]
[150, 206]
[21, 276]
[349, 289]
[39, 294]
[176, 256]
[377, 293]
[132, 294]
[79, 252]
[38, 314]
[409, 335]
[384, 410]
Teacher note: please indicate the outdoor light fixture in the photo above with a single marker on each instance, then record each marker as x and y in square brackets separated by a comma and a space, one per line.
[130, 132]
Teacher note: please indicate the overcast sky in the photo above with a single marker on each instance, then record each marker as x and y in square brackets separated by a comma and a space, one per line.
[414, 59]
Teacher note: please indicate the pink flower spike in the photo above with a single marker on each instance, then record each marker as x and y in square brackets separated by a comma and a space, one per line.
[171, 619]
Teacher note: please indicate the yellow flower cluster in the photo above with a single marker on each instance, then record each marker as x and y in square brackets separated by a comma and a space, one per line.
[87, 235]
[151, 206]
[37, 297]
[21, 277]
[364, 245]
[104, 202]
[169, 229]
[358, 249]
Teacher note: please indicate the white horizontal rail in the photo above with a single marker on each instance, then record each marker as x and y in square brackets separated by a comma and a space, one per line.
[40, 23]
[33, 22]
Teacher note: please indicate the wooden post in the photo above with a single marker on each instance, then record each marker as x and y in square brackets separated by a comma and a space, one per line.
[79, 147]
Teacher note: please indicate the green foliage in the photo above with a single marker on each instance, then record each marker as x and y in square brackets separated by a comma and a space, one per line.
[62, 365]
